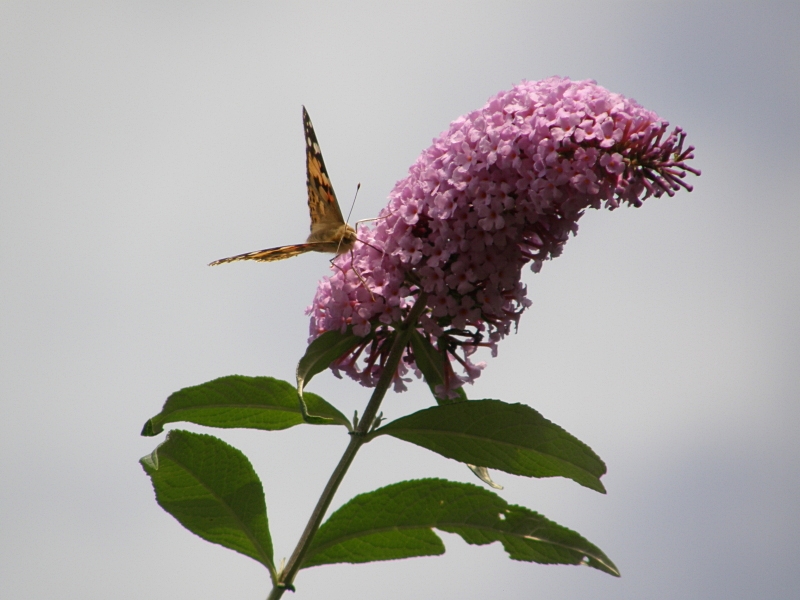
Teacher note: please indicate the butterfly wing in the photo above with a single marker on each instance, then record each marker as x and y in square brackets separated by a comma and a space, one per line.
[270, 254]
[326, 216]
[329, 232]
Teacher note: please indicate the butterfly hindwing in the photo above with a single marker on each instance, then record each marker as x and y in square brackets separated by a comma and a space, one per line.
[270, 254]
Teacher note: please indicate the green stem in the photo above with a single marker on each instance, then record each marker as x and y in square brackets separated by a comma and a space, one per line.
[357, 439]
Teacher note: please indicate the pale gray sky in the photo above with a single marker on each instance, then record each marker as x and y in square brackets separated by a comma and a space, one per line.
[139, 141]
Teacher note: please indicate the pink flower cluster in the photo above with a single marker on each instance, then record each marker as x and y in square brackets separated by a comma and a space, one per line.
[503, 186]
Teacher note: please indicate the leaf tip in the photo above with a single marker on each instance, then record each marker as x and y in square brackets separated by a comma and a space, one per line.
[151, 429]
[602, 564]
[150, 461]
[482, 473]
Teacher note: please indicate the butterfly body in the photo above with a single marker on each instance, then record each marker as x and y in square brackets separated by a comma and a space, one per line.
[332, 239]
[329, 232]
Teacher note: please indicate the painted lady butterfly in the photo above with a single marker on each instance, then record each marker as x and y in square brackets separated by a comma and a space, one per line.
[329, 232]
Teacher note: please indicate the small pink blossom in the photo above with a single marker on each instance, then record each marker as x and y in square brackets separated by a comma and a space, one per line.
[613, 163]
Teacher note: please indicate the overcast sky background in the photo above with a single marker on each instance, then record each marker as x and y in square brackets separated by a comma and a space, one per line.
[139, 141]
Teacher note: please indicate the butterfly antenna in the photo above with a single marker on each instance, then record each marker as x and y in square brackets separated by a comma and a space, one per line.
[353, 204]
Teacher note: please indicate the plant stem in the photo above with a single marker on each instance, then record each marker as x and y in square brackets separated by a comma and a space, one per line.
[357, 439]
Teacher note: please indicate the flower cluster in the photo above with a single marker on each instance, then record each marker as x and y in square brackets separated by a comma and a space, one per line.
[503, 186]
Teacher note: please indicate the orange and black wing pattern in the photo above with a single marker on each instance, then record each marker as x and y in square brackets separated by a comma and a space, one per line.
[322, 204]
[329, 233]
[270, 254]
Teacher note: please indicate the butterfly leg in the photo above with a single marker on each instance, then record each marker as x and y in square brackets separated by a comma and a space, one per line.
[352, 255]
[360, 278]
[355, 270]
[383, 250]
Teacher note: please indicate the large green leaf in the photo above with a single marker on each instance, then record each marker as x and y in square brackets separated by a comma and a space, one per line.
[213, 491]
[397, 521]
[509, 437]
[239, 401]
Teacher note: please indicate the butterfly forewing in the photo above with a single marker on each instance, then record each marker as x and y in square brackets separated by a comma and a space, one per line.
[322, 203]
[329, 232]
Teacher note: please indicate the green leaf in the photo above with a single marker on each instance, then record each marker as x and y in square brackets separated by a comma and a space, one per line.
[318, 357]
[510, 437]
[239, 401]
[213, 491]
[397, 521]
[432, 365]
[323, 351]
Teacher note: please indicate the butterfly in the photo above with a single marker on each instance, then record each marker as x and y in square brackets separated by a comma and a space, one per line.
[329, 232]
